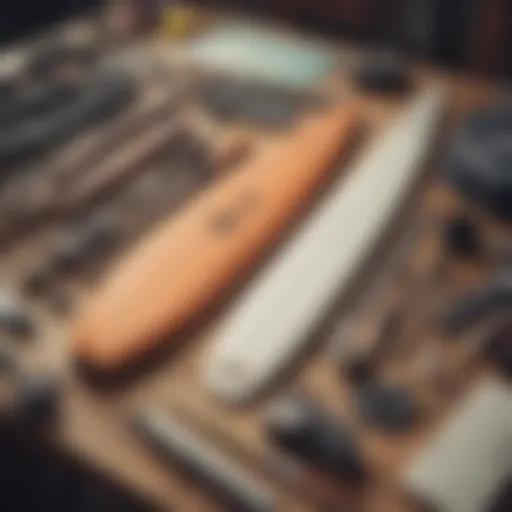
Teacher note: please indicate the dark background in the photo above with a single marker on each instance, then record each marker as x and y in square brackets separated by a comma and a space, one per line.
[34, 479]
[470, 34]
[474, 35]
[19, 18]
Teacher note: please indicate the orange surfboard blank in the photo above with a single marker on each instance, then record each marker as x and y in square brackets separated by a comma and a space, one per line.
[193, 257]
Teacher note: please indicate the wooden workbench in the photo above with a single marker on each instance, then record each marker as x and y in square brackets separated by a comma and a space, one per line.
[94, 428]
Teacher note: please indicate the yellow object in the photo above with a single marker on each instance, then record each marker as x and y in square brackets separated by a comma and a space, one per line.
[179, 21]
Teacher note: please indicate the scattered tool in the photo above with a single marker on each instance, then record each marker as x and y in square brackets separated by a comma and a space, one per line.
[36, 397]
[231, 99]
[81, 247]
[272, 322]
[204, 158]
[301, 427]
[393, 409]
[86, 243]
[474, 306]
[310, 484]
[123, 166]
[71, 164]
[46, 61]
[31, 200]
[462, 237]
[193, 258]
[46, 119]
[14, 317]
[478, 162]
[232, 484]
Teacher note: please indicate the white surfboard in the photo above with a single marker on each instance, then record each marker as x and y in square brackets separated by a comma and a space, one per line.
[273, 320]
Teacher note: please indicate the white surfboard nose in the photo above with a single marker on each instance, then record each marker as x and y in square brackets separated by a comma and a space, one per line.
[221, 380]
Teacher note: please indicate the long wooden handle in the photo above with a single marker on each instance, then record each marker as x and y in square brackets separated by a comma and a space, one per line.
[193, 257]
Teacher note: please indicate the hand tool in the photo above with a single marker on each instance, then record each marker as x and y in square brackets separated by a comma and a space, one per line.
[477, 164]
[473, 306]
[301, 427]
[14, 317]
[106, 92]
[322, 492]
[389, 408]
[36, 396]
[231, 99]
[33, 200]
[122, 166]
[237, 488]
